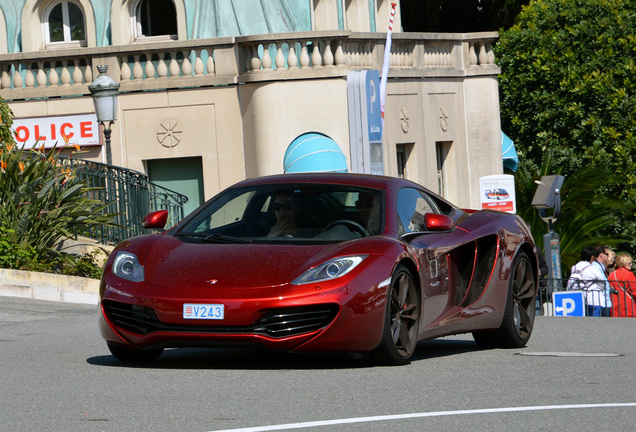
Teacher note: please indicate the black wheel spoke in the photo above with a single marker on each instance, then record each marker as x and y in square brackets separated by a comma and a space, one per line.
[405, 338]
[526, 291]
[525, 319]
[520, 275]
[403, 288]
[410, 313]
[395, 330]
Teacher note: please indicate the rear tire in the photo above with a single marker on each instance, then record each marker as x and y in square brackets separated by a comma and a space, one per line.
[518, 319]
[133, 354]
[401, 321]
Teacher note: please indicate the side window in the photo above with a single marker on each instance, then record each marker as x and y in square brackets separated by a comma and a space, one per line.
[155, 18]
[224, 214]
[63, 24]
[412, 205]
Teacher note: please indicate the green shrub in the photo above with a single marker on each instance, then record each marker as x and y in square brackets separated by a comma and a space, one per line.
[567, 87]
[42, 202]
[12, 256]
[83, 265]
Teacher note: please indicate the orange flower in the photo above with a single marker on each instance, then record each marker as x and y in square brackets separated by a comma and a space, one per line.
[67, 177]
[77, 147]
[21, 166]
[3, 164]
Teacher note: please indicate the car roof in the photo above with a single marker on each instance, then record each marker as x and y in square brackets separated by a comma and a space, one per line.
[349, 179]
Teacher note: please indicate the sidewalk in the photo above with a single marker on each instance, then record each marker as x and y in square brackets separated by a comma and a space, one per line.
[47, 286]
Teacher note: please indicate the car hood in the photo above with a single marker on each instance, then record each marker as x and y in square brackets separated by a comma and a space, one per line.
[170, 263]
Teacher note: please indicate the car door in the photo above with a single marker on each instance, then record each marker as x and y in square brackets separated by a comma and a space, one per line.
[436, 252]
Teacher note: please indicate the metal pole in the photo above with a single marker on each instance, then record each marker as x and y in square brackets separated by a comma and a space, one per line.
[107, 132]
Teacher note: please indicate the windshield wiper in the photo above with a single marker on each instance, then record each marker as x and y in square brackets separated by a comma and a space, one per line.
[215, 238]
[220, 238]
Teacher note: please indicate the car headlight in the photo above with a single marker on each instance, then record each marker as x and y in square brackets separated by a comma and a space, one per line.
[126, 266]
[329, 270]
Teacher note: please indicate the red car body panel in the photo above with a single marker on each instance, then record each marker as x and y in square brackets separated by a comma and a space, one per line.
[462, 273]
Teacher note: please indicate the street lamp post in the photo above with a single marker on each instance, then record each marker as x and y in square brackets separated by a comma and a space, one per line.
[104, 91]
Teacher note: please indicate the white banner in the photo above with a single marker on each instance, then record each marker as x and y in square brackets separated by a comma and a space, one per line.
[497, 192]
[76, 130]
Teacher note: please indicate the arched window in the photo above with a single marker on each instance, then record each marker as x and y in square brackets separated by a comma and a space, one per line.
[64, 24]
[155, 18]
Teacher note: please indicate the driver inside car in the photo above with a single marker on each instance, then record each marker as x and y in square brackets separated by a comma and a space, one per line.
[289, 218]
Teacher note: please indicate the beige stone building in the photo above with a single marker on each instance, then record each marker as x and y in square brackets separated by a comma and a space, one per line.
[201, 108]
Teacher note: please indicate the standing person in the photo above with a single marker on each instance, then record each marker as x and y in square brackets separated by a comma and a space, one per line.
[611, 263]
[623, 281]
[587, 255]
[575, 280]
[599, 303]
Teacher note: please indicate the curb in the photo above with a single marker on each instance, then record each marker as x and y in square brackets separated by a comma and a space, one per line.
[48, 286]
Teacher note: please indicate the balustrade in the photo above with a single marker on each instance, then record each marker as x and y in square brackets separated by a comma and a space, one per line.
[159, 64]
[50, 73]
[241, 59]
[481, 53]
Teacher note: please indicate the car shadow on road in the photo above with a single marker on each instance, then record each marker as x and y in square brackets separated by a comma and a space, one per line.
[258, 359]
[442, 347]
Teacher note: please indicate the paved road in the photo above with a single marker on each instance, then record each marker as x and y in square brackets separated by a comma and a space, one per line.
[57, 375]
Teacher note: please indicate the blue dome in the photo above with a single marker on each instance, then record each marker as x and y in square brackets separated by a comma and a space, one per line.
[314, 152]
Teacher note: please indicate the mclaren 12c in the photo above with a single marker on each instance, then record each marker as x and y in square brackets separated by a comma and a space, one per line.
[329, 263]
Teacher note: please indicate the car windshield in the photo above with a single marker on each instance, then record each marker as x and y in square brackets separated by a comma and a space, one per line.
[281, 213]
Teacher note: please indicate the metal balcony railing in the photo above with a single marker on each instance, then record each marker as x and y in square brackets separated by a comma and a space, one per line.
[621, 295]
[127, 193]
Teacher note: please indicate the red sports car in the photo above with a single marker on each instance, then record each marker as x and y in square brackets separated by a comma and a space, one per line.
[321, 263]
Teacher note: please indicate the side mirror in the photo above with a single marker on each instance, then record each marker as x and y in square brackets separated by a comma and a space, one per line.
[438, 222]
[156, 219]
[433, 222]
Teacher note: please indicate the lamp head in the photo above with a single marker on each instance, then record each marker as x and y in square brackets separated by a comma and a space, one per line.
[104, 91]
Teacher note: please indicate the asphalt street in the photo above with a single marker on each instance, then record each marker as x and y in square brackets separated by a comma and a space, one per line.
[57, 375]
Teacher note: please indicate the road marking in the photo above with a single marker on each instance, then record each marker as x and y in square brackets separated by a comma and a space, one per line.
[421, 415]
[569, 354]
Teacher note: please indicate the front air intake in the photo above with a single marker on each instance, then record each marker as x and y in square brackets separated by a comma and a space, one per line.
[277, 323]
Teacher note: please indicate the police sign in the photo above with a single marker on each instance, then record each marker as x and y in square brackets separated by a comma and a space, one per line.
[569, 303]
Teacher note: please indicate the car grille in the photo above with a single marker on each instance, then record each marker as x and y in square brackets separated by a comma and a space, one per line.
[280, 322]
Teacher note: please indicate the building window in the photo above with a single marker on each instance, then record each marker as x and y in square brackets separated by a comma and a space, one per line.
[156, 19]
[442, 149]
[64, 24]
[403, 154]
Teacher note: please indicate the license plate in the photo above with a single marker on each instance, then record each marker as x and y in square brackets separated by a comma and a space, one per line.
[203, 311]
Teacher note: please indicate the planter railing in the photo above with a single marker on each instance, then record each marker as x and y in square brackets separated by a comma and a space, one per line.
[129, 194]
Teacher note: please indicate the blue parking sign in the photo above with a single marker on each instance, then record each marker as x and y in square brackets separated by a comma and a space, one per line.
[569, 303]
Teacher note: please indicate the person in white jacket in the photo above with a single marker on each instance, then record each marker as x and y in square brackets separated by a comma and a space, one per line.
[599, 303]
[575, 281]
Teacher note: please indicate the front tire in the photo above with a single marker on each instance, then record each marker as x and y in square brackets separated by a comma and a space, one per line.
[518, 319]
[401, 321]
[132, 354]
